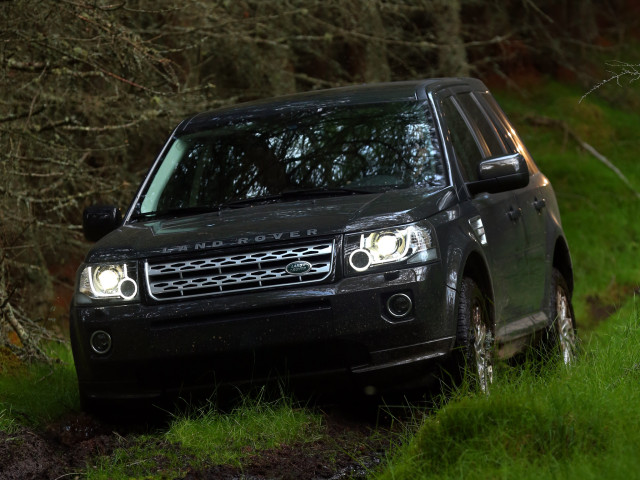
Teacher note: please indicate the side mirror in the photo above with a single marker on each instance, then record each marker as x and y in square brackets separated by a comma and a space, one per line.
[98, 220]
[499, 174]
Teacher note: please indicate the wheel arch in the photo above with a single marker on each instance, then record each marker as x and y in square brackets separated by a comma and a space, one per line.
[476, 268]
[562, 261]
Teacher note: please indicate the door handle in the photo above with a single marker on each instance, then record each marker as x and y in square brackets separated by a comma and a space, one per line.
[539, 204]
[514, 214]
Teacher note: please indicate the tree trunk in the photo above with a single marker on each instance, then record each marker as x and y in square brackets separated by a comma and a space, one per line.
[452, 55]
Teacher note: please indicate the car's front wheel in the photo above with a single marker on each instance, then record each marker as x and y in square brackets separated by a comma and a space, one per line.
[562, 332]
[475, 336]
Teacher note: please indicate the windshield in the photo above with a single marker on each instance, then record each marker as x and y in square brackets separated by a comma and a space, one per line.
[338, 149]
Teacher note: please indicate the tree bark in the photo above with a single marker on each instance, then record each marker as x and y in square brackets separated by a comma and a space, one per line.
[452, 55]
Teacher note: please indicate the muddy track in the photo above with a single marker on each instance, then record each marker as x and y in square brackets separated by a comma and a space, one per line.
[65, 449]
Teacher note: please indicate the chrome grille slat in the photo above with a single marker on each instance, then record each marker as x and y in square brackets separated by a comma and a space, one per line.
[215, 275]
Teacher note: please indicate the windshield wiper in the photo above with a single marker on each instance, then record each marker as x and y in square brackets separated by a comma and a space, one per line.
[289, 195]
[245, 202]
[325, 191]
[176, 212]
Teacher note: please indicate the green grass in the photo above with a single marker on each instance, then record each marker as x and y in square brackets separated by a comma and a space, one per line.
[8, 424]
[255, 425]
[36, 394]
[580, 422]
[599, 213]
[206, 436]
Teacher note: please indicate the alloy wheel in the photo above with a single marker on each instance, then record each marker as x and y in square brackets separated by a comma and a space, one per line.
[565, 328]
[482, 349]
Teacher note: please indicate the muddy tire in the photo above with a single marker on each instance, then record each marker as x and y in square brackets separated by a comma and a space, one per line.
[475, 340]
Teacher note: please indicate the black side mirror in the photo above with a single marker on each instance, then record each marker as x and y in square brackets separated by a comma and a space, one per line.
[499, 174]
[98, 220]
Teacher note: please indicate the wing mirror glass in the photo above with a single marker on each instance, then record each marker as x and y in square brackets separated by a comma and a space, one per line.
[98, 220]
[500, 174]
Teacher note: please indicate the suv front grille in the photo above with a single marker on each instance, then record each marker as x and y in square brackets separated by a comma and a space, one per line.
[168, 280]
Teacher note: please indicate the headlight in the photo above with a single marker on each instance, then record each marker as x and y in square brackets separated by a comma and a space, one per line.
[408, 244]
[116, 281]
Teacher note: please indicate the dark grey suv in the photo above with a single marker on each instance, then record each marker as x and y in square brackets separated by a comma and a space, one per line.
[365, 236]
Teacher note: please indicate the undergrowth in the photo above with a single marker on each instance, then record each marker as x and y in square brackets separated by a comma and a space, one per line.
[558, 422]
[35, 394]
[254, 425]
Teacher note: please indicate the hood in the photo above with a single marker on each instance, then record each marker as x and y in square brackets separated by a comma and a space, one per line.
[270, 223]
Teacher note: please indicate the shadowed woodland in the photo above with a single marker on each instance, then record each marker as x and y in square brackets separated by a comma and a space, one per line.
[90, 91]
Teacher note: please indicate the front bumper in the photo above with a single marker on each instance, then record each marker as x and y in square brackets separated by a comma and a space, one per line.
[339, 333]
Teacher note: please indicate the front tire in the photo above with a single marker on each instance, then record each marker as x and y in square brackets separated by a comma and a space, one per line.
[475, 336]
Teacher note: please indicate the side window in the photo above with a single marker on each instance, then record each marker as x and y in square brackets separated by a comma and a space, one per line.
[463, 141]
[492, 144]
[508, 133]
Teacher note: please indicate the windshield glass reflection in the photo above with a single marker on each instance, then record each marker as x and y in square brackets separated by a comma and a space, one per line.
[331, 150]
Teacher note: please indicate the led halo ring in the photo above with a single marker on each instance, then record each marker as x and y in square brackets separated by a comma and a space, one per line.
[358, 252]
[127, 281]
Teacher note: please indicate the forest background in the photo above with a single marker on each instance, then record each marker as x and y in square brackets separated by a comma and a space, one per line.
[89, 91]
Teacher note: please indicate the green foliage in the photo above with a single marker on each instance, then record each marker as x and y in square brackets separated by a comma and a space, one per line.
[580, 422]
[40, 392]
[145, 456]
[207, 436]
[8, 424]
[253, 426]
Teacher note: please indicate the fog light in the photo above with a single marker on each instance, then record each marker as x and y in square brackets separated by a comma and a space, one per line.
[399, 305]
[100, 342]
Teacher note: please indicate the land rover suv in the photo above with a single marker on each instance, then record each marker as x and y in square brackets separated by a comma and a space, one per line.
[366, 236]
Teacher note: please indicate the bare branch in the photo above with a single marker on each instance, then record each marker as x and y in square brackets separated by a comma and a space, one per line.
[626, 71]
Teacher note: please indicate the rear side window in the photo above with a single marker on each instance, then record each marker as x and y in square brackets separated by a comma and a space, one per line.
[488, 137]
[509, 135]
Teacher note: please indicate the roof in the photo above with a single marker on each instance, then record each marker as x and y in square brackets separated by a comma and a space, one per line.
[351, 95]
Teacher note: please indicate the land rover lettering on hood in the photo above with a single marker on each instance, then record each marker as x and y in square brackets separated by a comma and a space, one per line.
[373, 236]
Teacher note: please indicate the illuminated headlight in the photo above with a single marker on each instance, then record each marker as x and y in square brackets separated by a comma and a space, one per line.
[115, 281]
[408, 244]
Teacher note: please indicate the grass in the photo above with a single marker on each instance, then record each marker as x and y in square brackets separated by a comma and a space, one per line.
[8, 423]
[579, 422]
[255, 425]
[205, 436]
[36, 394]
